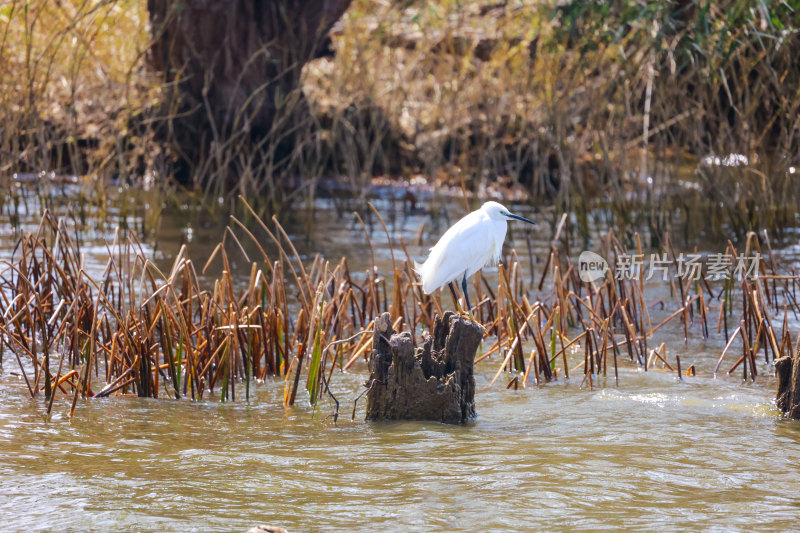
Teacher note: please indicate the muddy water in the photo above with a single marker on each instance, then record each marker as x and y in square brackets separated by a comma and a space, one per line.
[652, 453]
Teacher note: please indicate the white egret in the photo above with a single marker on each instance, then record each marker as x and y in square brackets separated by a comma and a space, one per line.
[471, 243]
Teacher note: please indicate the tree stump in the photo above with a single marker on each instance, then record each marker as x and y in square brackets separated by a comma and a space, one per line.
[787, 372]
[783, 373]
[435, 382]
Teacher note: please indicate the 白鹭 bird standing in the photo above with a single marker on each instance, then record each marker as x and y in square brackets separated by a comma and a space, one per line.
[470, 244]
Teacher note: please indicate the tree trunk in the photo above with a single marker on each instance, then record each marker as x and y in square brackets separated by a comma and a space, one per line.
[435, 383]
[232, 67]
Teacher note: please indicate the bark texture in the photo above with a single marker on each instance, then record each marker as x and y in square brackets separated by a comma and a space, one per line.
[231, 64]
[787, 373]
[435, 382]
[783, 373]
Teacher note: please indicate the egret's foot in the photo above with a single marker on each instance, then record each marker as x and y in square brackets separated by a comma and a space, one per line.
[469, 316]
[459, 309]
[476, 321]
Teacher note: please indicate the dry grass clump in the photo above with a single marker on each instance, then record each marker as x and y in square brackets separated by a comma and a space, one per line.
[76, 96]
[456, 86]
[579, 98]
[137, 330]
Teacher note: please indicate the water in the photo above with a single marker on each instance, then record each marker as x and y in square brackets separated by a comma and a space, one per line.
[653, 453]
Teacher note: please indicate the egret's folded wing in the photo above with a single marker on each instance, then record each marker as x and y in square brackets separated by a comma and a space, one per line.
[463, 246]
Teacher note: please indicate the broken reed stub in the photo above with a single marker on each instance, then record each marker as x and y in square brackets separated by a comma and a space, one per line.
[433, 382]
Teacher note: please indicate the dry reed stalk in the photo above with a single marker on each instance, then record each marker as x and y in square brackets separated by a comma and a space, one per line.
[138, 330]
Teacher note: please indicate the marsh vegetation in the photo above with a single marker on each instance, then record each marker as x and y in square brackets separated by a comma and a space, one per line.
[194, 254]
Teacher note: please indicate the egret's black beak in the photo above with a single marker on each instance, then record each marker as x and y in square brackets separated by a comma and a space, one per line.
[510, 215]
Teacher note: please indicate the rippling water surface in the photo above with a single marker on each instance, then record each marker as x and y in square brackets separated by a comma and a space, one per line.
[651, 453]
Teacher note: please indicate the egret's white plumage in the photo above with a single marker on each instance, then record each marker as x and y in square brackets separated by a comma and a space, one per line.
[471, 243]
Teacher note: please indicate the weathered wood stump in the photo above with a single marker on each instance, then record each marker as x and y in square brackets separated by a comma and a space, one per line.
[435, 382]
[783, 375]
[787, 372]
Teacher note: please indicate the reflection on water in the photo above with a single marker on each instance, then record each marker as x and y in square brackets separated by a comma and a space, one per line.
[652, 453]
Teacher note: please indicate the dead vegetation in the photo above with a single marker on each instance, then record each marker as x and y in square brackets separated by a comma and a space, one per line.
[138, 330]
[573, 101]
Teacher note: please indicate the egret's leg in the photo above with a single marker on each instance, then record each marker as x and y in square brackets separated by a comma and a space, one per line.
[469, 307]
[466, 293]
[455, 296]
